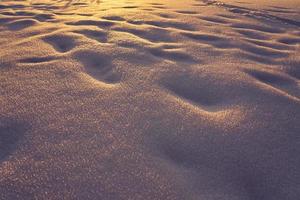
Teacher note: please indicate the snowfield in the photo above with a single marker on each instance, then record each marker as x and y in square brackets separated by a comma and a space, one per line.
[150, 99]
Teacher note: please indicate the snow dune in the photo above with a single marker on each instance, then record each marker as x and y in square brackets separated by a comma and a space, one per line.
[124, 99]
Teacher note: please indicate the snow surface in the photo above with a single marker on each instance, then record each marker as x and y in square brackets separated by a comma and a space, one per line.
[150, 99]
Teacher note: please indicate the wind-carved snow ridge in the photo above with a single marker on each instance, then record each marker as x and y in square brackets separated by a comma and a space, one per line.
[254, 13]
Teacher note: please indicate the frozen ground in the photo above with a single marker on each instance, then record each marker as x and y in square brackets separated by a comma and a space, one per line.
[150, 99]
